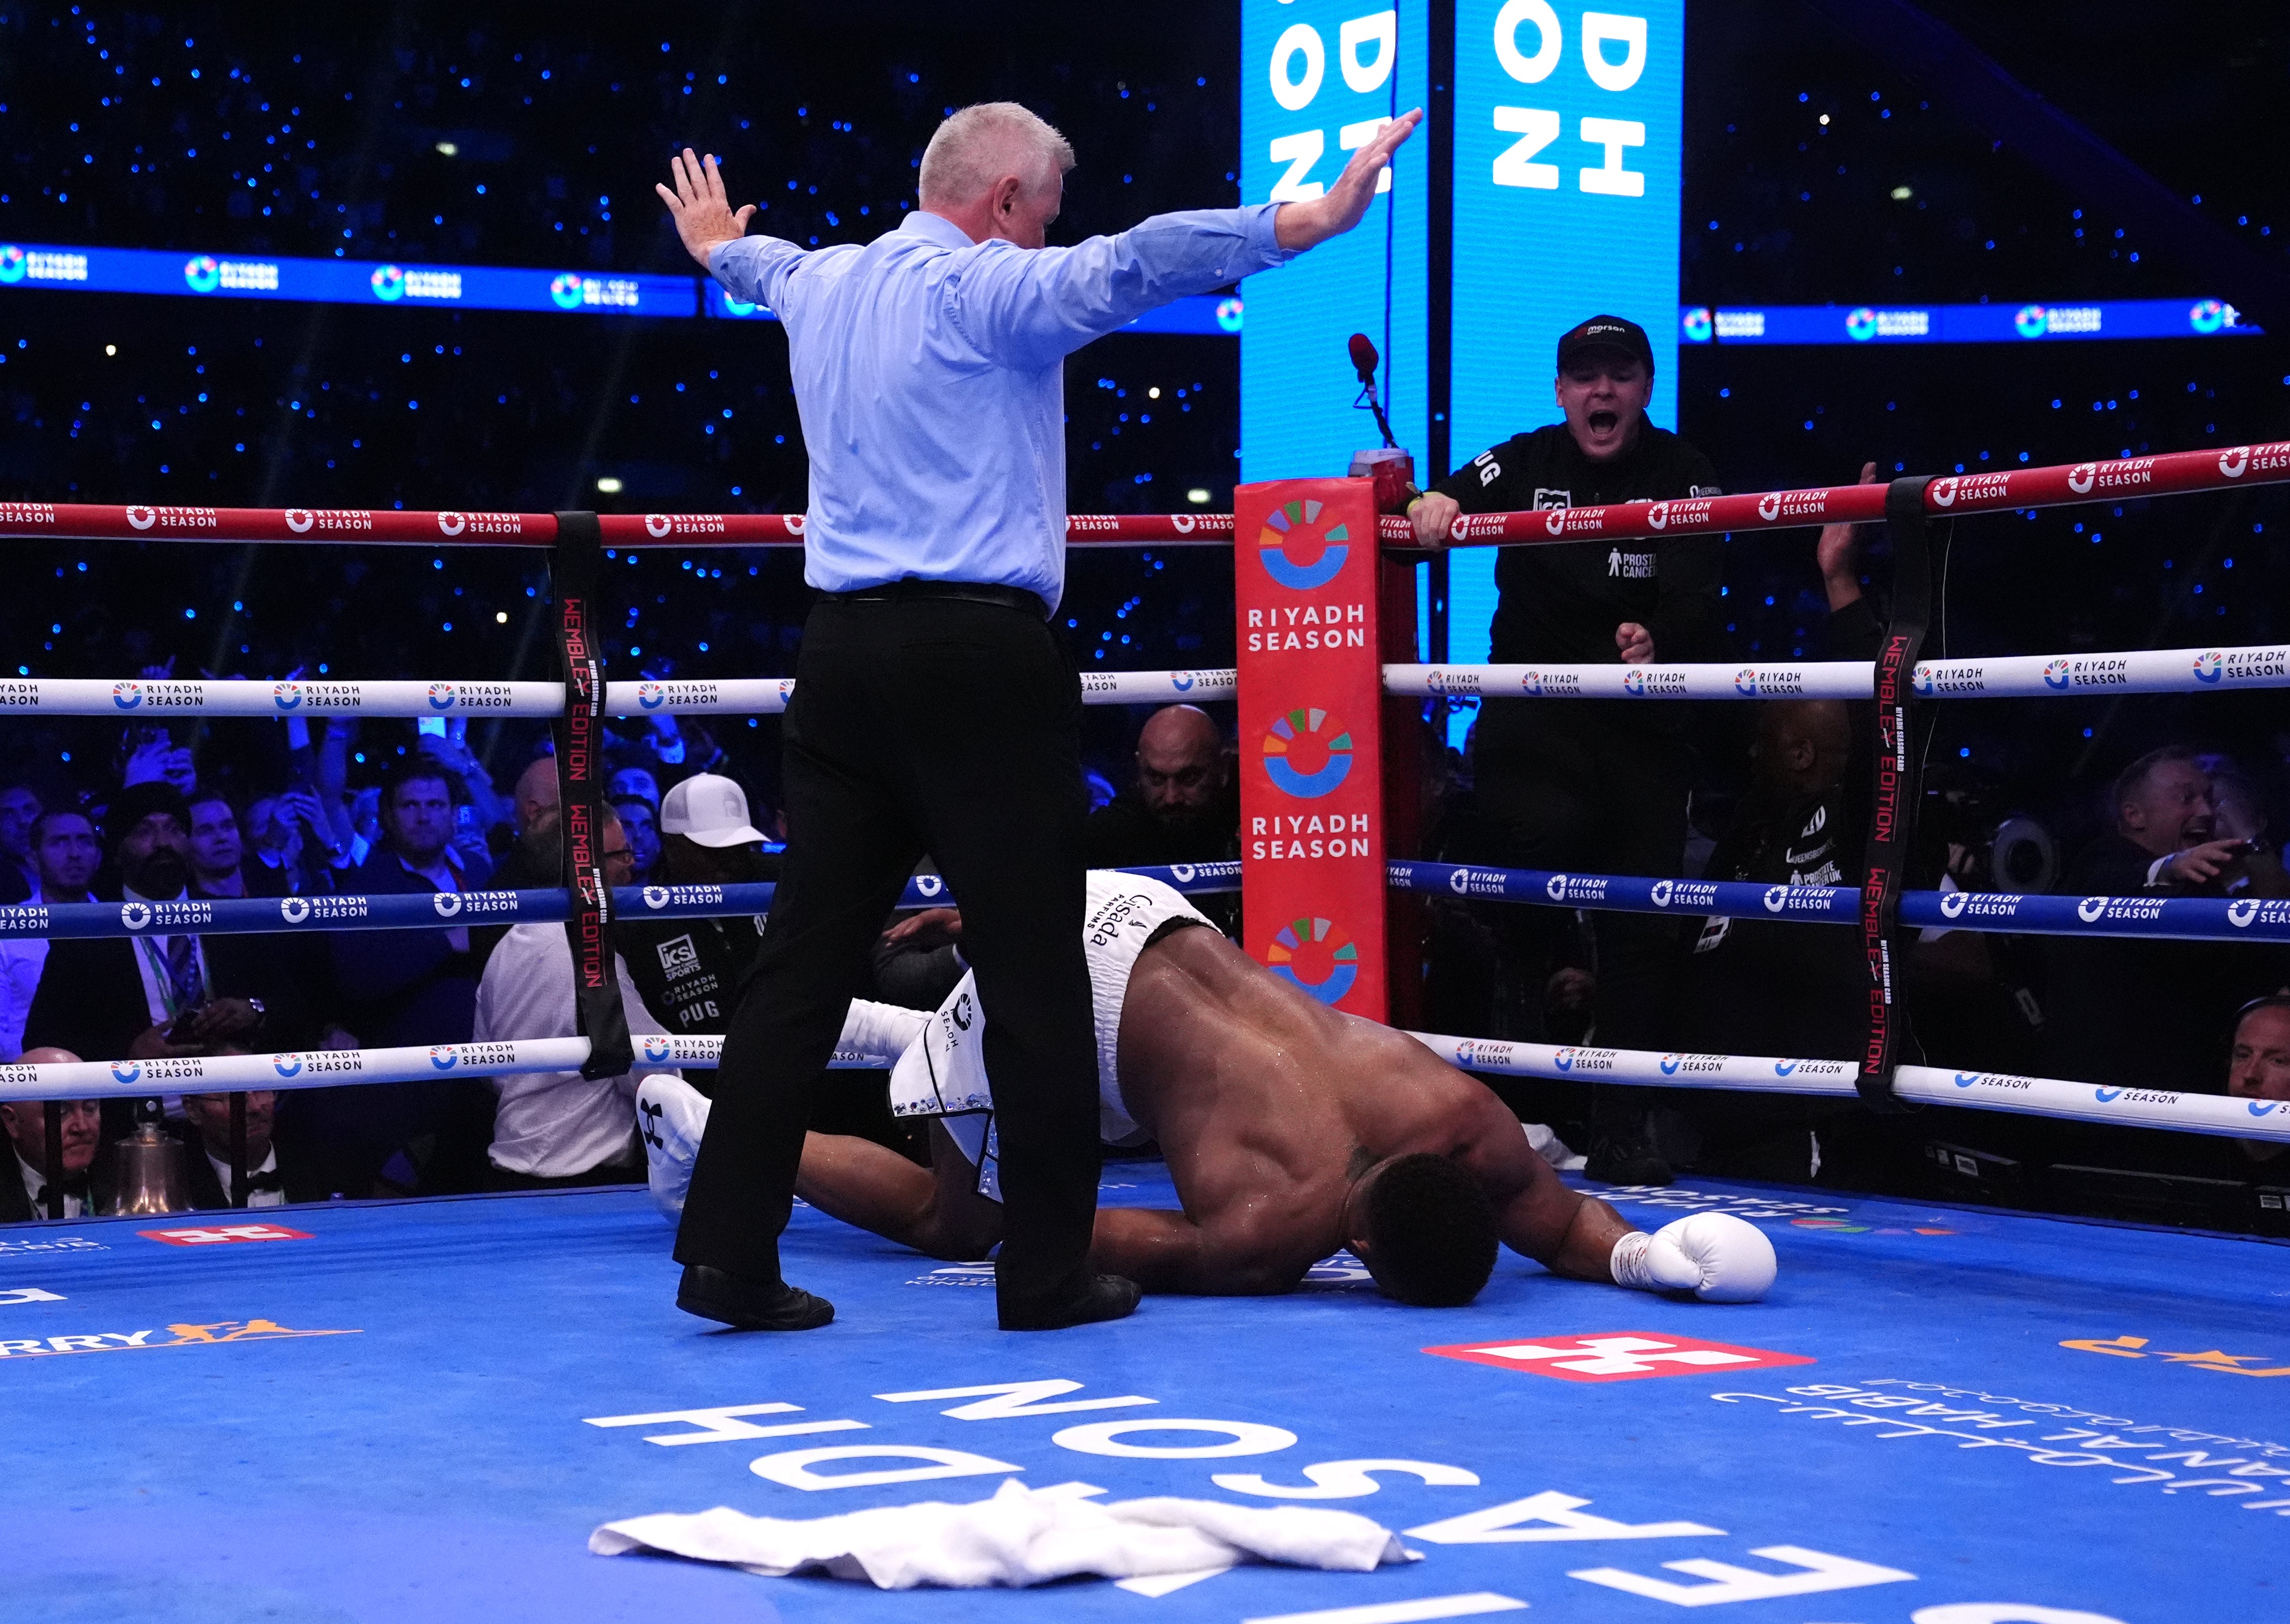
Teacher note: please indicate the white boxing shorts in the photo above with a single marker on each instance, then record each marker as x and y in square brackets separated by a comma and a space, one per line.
[1126, 913]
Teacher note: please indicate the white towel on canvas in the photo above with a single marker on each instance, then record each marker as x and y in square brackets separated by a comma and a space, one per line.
[1020, 1536]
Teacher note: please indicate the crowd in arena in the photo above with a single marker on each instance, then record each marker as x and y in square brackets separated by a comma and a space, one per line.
[243, 404]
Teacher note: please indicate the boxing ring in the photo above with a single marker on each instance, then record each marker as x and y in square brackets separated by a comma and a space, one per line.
[394, 1409]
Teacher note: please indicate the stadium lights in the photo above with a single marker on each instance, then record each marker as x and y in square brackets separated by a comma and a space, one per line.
[1198, 496]
[448, 148]
[609, 485]
[1901, 193]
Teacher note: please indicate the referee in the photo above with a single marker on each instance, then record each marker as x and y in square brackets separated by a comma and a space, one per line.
[936, 710]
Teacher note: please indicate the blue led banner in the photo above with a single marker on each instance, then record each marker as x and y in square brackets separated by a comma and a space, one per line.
[1992, 322]
[1318, 78]
[462, 287]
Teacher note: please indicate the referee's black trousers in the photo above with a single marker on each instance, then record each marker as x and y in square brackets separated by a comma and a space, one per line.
[921, 725]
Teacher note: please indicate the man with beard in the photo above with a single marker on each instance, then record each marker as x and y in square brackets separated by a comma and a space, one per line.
[1184, 806]
[1593, 784]
[162, 993]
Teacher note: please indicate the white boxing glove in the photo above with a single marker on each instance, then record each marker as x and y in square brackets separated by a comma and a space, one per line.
[1715, 1255]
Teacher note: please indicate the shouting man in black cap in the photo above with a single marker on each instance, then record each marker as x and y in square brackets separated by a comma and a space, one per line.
[1596, 784]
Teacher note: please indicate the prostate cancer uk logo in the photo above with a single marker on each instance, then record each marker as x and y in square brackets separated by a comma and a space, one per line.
[1313, 954]
[1307, 754]
[1318, 554]
[1618, 1355]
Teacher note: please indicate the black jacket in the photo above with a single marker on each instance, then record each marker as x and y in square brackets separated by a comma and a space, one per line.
[402, 988]
[16, 1204]
[91, 994]
[1561, 604]
[297, 1183]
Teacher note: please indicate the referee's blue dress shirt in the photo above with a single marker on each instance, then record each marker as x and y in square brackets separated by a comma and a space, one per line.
[928, 372]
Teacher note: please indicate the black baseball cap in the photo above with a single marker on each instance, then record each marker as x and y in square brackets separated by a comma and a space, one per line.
[1606, 332]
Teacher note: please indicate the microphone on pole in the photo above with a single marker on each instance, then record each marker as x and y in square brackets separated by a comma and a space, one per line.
[1365, 361]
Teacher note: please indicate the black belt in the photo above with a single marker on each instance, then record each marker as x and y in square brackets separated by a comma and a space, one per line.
[964, 591]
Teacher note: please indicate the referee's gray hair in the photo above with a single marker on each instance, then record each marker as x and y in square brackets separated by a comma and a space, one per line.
[979, 144]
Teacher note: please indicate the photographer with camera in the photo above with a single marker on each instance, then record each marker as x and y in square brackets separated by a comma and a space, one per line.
[2145, 1014]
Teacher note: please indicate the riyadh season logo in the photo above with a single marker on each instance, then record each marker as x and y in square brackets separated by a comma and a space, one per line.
[1783, 1068]
[1942, 491]
[444, 1056]
[566, 289]
[1297, 522]
[142, 518]
[1926, 683]
[201, 274]
[2241, 911]
[1228, 314]
[135, 915]
[1301, 936]
[1775, 898]
[1634, 683]
[1965, 1079]
[299, 519]
[293, 910]
[1657, 516]
[794, 522]
[1769, 505]
[452, 523]
[1860, 324]
[126, 696]
[1671, 1063]
[125, 1071]
[446, 902]
[656, 1049]
[2106, 1096]
[387, 283]
[656, 525]
[2232, 462]
[2055, 673]
[2206, 315]
[1565, 1058]
[2082, 478]
[655, 896]
[1952, 903]
[286, 1065]
[1663, 889]
[2210, 666]
[1745, 681]
[441, 696]
[2091, 909]
[286, 696]
[1182, 873]
[651, 695]
[1183, 523]
[1299, 731]
[1697, 325]
[12, 264]
[2031, 322]
[1181, 681]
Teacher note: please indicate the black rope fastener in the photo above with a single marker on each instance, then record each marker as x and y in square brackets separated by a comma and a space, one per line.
[1895, 797]
[575, 563]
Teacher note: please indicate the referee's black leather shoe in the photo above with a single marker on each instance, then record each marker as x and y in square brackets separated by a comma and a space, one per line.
[1104, 1297]
[749, 1305]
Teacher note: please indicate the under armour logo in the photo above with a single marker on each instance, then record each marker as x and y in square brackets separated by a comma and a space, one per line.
[651, 1111]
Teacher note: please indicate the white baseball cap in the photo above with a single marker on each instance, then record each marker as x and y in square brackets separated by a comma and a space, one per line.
[709, 809]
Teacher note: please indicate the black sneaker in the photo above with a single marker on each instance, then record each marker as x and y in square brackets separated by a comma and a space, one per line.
[749, 1305]
[1614, 1159]
[1105, 1297]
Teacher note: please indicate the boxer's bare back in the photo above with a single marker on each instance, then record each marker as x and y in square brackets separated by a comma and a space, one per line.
[1271, 1108]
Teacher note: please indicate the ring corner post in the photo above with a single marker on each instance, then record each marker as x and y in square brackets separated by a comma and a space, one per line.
[1404, 744]
[1306, 603]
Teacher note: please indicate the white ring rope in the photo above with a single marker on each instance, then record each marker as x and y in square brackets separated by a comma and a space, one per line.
[2206, 670]
[1991, 1091]
[336, 1068]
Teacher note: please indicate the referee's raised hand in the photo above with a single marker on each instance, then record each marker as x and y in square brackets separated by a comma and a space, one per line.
[704, 217]
[1303, 225]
